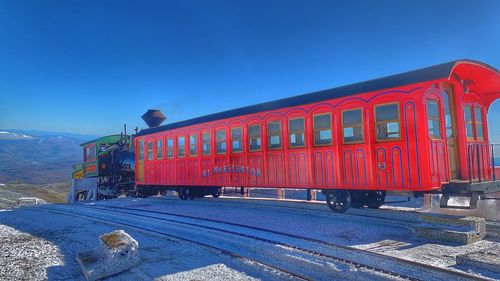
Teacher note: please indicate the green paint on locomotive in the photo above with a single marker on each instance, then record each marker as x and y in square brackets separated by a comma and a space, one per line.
[94, 154]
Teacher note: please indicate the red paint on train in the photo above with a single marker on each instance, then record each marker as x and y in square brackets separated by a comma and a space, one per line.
[428, 132]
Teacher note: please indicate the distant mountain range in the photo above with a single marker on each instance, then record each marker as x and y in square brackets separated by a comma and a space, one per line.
[42, 157]
[39, 157]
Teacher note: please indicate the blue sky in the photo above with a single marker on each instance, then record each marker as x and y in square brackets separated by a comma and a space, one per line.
[90, 66]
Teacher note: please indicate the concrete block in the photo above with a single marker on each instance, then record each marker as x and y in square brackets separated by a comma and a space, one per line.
[459, 237]
[488, 259]
[117, 252]
[461, 230]
[469, 223]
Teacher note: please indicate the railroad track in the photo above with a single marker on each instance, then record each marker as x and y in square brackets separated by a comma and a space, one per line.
[406, 218]
[393, 268]
[385, 216]
[232, 254]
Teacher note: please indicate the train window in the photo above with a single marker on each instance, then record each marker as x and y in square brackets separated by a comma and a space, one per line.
[236, 140]
[170, 148]
[274, 135]
[193, 145]
[94, 152]
[220, 141]
[352, 126]
[206, 144]
[447, 102]
[296, 132]
[387, 121]
[159, 149]
[87, 153]
[150, 151]
[468, 122]
[479, 122]
[141, 150]
[433, 119]
[322, 129]
[254, 139]
[181, 146]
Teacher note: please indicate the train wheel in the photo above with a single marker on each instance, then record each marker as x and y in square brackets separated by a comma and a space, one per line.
[183, 193]
[216, 193]
[358, 198]
[375, 199]
[338, 200]
[191, 193]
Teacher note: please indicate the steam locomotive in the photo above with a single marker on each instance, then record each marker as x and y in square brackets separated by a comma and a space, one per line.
[107, 171]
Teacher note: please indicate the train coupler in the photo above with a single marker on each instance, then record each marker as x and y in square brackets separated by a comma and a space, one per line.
[473, 198]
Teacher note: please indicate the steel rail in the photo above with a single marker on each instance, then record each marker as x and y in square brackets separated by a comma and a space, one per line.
[309, 251]
[492, 227]
[161, 233]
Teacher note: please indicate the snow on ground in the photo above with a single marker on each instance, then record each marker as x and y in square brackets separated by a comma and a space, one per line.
[60, 237]
[24, 256]
[39, 245]
[359, 232]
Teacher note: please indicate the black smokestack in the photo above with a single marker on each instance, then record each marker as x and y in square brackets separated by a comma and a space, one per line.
[153, 117]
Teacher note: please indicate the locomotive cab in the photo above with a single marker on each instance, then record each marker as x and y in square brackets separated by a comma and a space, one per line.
[108, 169]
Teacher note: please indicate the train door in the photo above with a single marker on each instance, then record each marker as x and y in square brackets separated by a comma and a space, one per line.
[325, 155]
[140, 161]
[451, 130]
[437, 139]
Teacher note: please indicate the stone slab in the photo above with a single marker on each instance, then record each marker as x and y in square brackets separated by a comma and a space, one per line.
[469, 223]
[461, 230]
[117, 252]
[488, 259]
[459, 237]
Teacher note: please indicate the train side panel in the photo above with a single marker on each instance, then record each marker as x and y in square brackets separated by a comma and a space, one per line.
[411, 138]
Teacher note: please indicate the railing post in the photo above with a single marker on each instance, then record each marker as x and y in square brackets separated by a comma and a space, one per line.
[479, 162]
[469, 157]
[493, 162]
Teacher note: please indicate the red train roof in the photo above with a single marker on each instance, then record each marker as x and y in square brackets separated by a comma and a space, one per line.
[487, 76]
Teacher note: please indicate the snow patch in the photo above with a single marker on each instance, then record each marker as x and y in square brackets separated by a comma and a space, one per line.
[210, 272]
[14, 136]
[28, 257]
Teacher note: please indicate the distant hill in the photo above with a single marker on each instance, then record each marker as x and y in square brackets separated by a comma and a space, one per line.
[39, 157]
[51, 193]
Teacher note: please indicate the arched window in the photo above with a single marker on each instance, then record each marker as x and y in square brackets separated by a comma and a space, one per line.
[322, 129]
[220, 141]
[159, 149]
[193, 145]
[274, 135]
[296, 132]
[352, 126]
[206, 145]
[181, 146]
[433, 119]
[387, 122]
[236, 140]
[254, 139]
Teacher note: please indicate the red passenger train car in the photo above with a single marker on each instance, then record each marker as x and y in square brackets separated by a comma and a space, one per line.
[420, 131]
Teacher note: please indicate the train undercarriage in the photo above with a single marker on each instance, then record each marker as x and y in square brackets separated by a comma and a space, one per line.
[338, 200]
